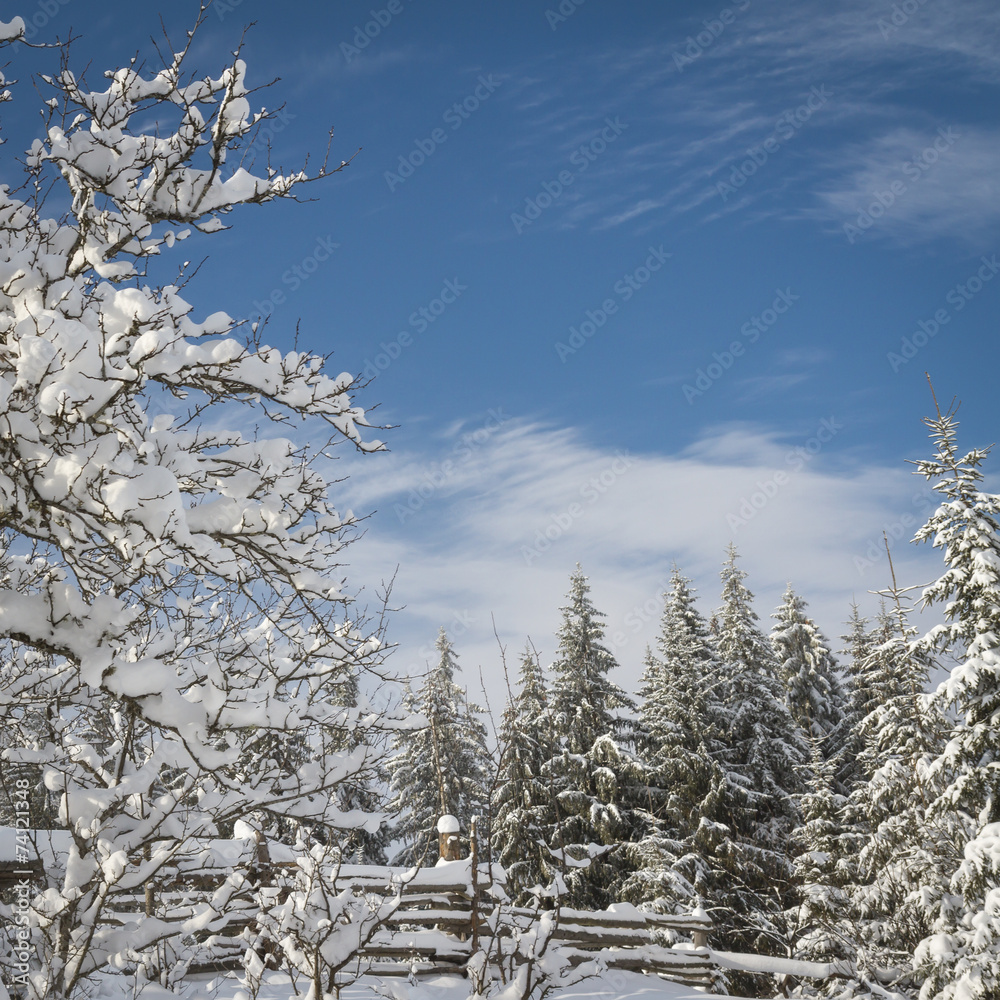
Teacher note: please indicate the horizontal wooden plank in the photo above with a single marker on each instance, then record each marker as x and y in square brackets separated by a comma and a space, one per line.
[380, 967]
[695, 960]
[602, 937]
[438, 918]
[390, 968]
[456, 957]
[612, 918]
[695, 969]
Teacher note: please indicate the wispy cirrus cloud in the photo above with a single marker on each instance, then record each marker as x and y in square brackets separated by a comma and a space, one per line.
[910, 185]
[690, 128]
[639, 208]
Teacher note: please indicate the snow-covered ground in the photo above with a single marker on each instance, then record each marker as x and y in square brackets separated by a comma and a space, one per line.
[277, 986]
[612, 985]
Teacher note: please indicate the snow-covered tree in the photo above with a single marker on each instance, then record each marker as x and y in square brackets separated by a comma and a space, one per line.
[598, 783]
[522, 798]
[169, 587]
[859, 639]
[318, 925]
[442, 769]
[680, 717]
[820, 923]
[858, 696]
[763, 758]
[962, 956]
[813, 690]
[681, 699]
[585, 702]
[764, 749]
[762, 744]
[723, 756]
[902, 846]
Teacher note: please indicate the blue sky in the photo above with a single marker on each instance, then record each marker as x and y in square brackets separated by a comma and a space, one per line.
[621, 270]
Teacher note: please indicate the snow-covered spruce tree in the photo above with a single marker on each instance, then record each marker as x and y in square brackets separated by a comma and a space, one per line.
[681, 700]
[961, 959]
[763, 758]
[599, 785]
[858, 697]
[813, 690]
[169, 590]
[903, 848]
[762, 741]
[860, 639]
[665, 873]
[523, 801]
[680, 724]
[819, 923]
[441, 769]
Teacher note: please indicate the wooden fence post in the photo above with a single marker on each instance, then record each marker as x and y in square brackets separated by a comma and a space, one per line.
[474, 875]
[448, 841]
[699, 937]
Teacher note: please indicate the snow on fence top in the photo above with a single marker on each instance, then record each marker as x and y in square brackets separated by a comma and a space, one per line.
[448, 824]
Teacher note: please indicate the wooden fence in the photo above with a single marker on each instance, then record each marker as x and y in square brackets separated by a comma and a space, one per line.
[444, 916]
[441, 917]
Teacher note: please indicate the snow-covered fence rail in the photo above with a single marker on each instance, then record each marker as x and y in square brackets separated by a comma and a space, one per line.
[797, 969]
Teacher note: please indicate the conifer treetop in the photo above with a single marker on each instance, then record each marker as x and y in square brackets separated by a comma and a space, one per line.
[808, 670]
[585, 701]
[740, 640]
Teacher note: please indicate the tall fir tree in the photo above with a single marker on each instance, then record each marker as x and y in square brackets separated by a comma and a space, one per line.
[813, 691]
[522, 798]
[679, 724]
[441, 769]
[859, 641]
[820, 925]
[902, 846]
[961, 958]
[762, 744]
[858, 697]
[861, 693]
[599, 784]
[681, 704]
[764, 754]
